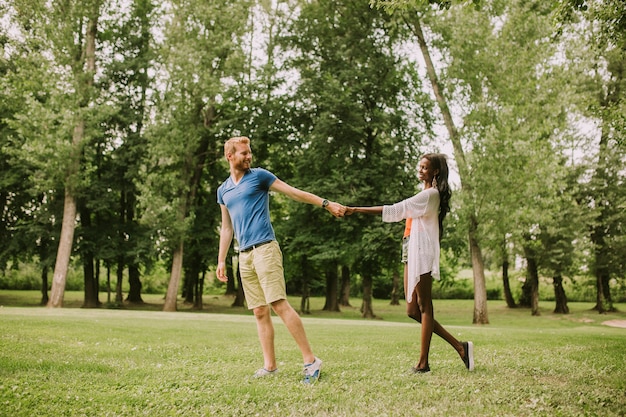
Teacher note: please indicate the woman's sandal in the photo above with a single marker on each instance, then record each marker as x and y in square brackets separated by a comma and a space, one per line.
[423, 370]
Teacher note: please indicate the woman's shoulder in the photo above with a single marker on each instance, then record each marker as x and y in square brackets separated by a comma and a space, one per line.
[432, 194]
[432, 191]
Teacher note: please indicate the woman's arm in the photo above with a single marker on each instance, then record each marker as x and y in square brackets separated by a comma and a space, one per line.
[366, 210]
[417, 206]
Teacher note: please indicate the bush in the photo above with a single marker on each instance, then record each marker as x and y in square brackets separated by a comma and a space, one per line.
[24, 278]
[460, 289]
[28, 277]
[155, 280]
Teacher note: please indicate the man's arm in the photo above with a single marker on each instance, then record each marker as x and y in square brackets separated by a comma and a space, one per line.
[226, 238]
[296, 194]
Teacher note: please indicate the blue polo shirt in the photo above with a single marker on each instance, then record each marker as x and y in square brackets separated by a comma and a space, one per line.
[248, 204]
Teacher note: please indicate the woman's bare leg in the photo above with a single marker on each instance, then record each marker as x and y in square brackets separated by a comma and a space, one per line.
[414, 312]
[425, 303]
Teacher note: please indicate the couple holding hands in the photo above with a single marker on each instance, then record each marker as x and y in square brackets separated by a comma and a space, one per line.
[244, 203]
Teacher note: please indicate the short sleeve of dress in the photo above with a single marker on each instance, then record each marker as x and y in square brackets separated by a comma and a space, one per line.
[412, 207]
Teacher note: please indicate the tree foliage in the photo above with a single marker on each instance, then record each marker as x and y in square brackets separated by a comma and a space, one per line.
[119, 110]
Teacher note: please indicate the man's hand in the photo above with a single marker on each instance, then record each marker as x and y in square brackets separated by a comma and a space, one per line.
[336, 209]
[221, 272]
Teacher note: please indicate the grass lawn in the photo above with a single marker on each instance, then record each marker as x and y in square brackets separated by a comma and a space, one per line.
[138, 362]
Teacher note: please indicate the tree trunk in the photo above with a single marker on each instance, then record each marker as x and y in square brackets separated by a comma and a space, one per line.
[480, 288]
[195, 166]
[332, 283]
[192, 276]
[129, 202]
[395, 290]
[506, 285]
[533, 281]
[119, 298]
[177, 261]
[199, 290]
[240, 297]
[367, 311]
[97, 282]
[606, 290]
[601, 261]
[135, 285]
[305, 300]
[84, 80]
[604, 176]
[344, 299]
[478, 268]
[526, 296]
[231, 284]
[559, 295]
[108, 283]
[89, 279]
[64, 251]
[600, 300]
[189, 283]
[44, 285]
[175, 276]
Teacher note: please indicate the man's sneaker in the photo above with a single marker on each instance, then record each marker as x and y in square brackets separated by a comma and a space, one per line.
[264, 372]
[312, 371]
[468, 358]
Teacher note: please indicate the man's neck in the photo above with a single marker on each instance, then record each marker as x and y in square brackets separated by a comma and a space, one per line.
[237, 175]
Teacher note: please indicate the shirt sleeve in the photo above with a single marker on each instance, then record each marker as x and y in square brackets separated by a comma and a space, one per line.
[266, 178]
[416, 206]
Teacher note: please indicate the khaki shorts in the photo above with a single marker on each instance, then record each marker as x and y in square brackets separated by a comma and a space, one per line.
[262, 275]
[405, 249]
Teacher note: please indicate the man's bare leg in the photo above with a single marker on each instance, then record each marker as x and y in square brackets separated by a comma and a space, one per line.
[265, 329]
[294, 324]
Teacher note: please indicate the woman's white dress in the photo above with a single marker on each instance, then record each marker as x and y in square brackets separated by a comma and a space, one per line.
[424, 249]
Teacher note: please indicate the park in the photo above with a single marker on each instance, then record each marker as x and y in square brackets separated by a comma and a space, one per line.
[122, 265]
[131, 362]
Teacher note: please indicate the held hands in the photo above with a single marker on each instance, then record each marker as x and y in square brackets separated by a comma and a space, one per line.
[336, 209]
[339, 210]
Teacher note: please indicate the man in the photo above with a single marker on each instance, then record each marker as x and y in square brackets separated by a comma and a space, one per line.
[244, 201]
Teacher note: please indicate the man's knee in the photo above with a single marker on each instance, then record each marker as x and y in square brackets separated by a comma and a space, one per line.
[261, 312]
[281, 306]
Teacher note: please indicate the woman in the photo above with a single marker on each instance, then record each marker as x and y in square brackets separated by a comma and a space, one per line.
[424, 212]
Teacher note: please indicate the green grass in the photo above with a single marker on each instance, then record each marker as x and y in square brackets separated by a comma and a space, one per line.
[137, 362]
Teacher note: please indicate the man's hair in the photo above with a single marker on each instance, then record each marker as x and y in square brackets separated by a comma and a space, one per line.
[229, 145]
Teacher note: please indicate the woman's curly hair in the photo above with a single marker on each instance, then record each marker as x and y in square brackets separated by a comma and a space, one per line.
[439, 162]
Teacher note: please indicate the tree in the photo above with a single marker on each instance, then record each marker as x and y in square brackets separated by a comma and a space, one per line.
[128, 83]
[597, 56]
[413, 20]
[65, 34]
[256, 106]
[33, 145]
[201, 51]
[522, 126]
[355, 98]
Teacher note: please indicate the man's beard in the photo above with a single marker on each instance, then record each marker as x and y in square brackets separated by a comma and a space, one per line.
[243, 165]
